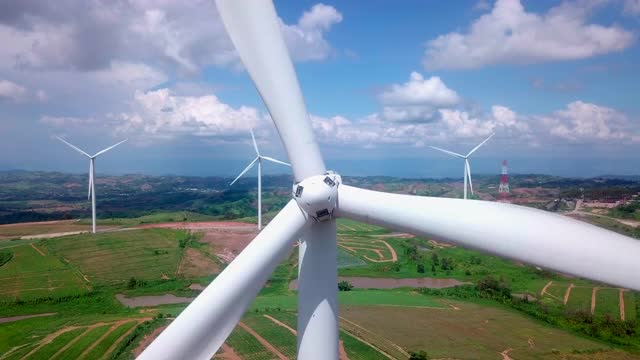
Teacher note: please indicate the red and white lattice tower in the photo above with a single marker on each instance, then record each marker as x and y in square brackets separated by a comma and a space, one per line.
[503, 190]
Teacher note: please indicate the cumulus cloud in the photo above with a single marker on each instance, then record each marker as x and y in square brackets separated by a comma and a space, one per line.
[511, 35]
[420, 91]
[306, 39]
[90, 36]
[10, 91]
[583, 122]
[417, 99]
[162, 114]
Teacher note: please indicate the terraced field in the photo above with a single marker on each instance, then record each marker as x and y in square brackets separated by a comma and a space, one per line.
[32, 273]
[93, 341]
[117, 256]
[607, 300]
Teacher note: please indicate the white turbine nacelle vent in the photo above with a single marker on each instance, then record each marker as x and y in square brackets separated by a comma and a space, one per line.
[318, 195]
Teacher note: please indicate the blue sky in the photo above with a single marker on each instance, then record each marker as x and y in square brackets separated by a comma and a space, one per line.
[557, 81]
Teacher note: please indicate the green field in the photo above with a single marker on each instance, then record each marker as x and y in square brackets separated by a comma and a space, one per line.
[117, 256]
[103, 346]
[607, 302]
[282, 339]
[245, 345]
[354, 297]
[472, 331]
[580, 299]
[84, 341]
[50, 349]
[30, 274]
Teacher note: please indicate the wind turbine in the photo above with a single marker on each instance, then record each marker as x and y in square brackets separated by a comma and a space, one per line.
[467, 168]
[318, 197]
[258, 160]
[92, 167]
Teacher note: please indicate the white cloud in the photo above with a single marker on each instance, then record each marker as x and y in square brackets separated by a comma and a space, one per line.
[632, 7]
[582, 122]
[306, 39]
[10, 91]
[130, 75]
[160, 113]
[416, 100]
[65, 121]
[187, 34]
[420, 91]
[511, 35]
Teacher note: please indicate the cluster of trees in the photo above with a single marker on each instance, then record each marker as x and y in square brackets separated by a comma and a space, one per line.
[135, 283]
[5, 257]
[345, 286]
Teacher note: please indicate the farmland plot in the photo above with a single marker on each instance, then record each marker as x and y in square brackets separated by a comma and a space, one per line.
[117, 256]
[32, 273]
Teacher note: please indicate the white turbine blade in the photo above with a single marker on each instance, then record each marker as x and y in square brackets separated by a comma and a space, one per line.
[275, 161]
[466, 163]
[544, 239]
[109, 148]
[447, 151]
[482, 143]
[90, 178]
[73, 147]
[254, 29]
[204, 325]
[255, 145]
[244, 171]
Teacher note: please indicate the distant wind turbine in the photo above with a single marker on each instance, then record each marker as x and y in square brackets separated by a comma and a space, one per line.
[258, 159]
[467, 168]
[92, 187]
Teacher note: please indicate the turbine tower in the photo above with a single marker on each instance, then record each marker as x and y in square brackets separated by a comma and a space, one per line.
[467, 168]
[258, 159]
[92, 169]
[318, 197]
[503, 189]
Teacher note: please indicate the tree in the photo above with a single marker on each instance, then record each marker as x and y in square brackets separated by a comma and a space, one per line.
[433, 269]
[132, 283]
[435, 260]
[420, 355]
[420, 268]
[345, 286]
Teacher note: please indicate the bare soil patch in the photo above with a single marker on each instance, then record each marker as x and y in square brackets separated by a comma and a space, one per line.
[23, 317]
[227, 353]
[200, 225]
[195, 264]
[544, 289]
[152, 300]
[593, 300]
[568, 293]
[386, 283]
[228, 243]
[621, 302]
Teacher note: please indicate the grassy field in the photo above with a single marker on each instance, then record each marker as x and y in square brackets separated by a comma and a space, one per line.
[117, 256]
[83, 342]
[473, 331]
[17, 230]
[33, 273]
[354, 297]
[245, 345]
[608, 302]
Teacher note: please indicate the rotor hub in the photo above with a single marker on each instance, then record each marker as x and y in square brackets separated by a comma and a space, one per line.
[318, 195]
